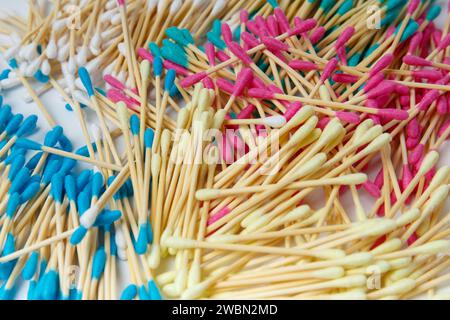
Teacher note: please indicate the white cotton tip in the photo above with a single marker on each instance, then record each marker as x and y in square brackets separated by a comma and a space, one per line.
[298, 213]
[166, 278]
[274, 121]
[218, 7]
[356, 259]
[87, 220]
[96, 132]
[11, 52]
[251, 218]
[72, 65]
[377, 144]
[328, 273]
[428, 162]
[46, 67]
[111, 4]
[347, 282]
[179, 243]
[301, 116]
[378, 227]
[195, 275]
[197, 3]
[196, 291]
[407, 217]
[120, 239]
[95, 44]
[402, 273]
[52, 49]
[32, 68]
[122, 49]
[434, 247]
[312, 165]
[155, 256]
[388, 246]
[151, 4]
[397, 288]
[58, 25]
[122, 113]
[116, 19]
[23, 68]
[82, 56]
[156, 164]
[122, 76]
[122, 254]
[63, 53]
[10, 83]
[303, 132]
[176, 5]
[30, 52]
[161, 6]
[81, 97]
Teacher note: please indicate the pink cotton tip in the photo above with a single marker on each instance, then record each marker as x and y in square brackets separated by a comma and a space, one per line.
[444, 43]
[373, 82]
[329, 69]
[283, 22]
[442, 107]
[302, 65]
[208, 83]
[407, 176]
[243, 80]
[243, 16]
[416, 61]
[305, 26]
[226, 33]
[382, 64]
[323, 123]
[428, 99]
[193, 79]
[179, 69]
[413, 4]
[262, 26]
[412, 238]
[272, 25]
[246, 112]
[405, 101]
[237, 50]
[443, 128]
[121, 2]
[260, 93]
[411, 143]
[219, 215]
[437, 35]
[117, 96]
[344, 78]
[375, 119]
[344, 37]
[416, 154]
[114, 82]
[252, 27]
[389, 32]
[415, 42]
[384, 88]
[348, 117]
[379, 179]
[292, 110]
[258, 83]
[342, 55]
[401, 89]
[372, 189]
[432, 75]
[371, 103]
[225, 85]
[222, 56]
[393, 114]
[145, 54]
[317, 35]
[413, 128]
[210, 51]
[249, 39]
[274, 45]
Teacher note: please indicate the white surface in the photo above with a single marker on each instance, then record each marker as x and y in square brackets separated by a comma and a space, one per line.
[56, 107]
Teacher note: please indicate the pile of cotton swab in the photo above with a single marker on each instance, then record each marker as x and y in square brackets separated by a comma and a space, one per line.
[264, 150]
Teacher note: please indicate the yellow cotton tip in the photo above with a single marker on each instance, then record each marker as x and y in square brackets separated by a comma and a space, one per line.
[356, 259]
[194, 276]
[156, 164]
[329, 254]
[144, 69]
[377, 144]
[407, 217]
[155, 256]
[207, 194]
[324, 93]
[219, 118]
[350, 179]
[297, 214]
[122, 113]
[204, 99]
[302, 132]
[428, 162]
[301, 116]
[434, 247]
[369, 135]
[329, 273]
[399, 263]
[251, 218]
[166, 140]
[348, 282]
[183, 118]
[312, 165]
[397, 288]
[166, 278]
[388, 246]
[313, 136]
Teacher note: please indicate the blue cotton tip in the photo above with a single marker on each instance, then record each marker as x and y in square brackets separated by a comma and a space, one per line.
[326, 5]
[28, 126]
[30, 191]
[51, 169]
[157, 67]
[354, 60]
[141, 244]
[70, 186]
[149, 136]
[154, 291]
[135, 124]
[21, 178]
[391, 4]
[176, 35]
[273, 3]
[40, 77]
[56, 187]
[32, 163]
[83, 202]
[187, 35]
[13, 205]
[173, 91]
[154, 49]
[28, 144]
[176, 55]
[410, 29]
[84, 151]
[7, 294]
[30, 267]
[78, 235]
[129, 293]
[170, 79]
[107, 217]
[5, 114]
[97, 184]
[345, 7]
[98, 264]
[65, 143]
[216, 41]
[13, 63]
[83, 179]
[217, 27]
[51, 138]
[31, 294]
[51, 287]
[4, 75]
[16, 164]
[433, 13]
[143, 293]
[14, 124]
[67, 165]
[149, 229]
[113, 245]
[86, 80]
